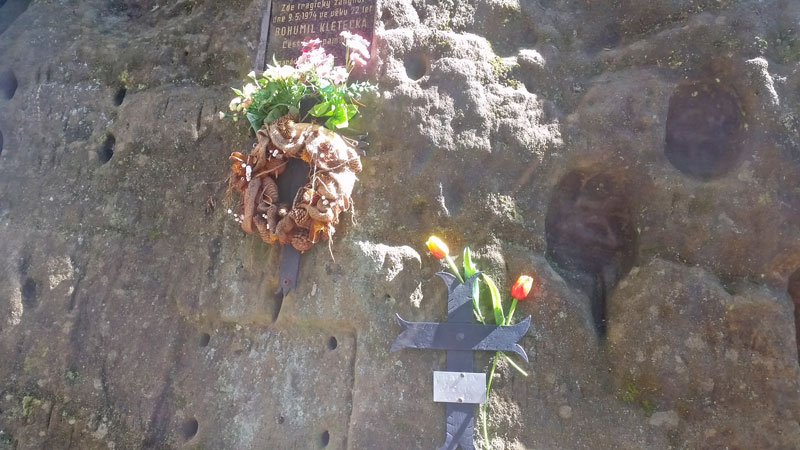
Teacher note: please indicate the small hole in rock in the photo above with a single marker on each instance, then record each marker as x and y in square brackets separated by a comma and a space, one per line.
[387, 19]
[324, 438]
[416, 66]
[703, 130]
[332, 343]
[186, 53]
[280, 419]
[205, 338]
[29, 294]
[119, 97]
[106, 152]
[8, 84]
[189, 429]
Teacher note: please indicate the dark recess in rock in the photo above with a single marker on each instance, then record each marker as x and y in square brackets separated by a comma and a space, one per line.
[324, 439]
[106, 152]
[214, 247]
[30, 296]
[8, 84]
[387, 19]
[416, 66]
[590, 236]
[332, 343]
[205, 338]
[11, 10]
[119, 97]
[189, 429]
[703, 130]
[794, 291]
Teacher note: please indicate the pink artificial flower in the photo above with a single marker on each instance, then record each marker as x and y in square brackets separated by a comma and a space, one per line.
[356, 44]
[310, 45]
[358, 59]
[313, 59]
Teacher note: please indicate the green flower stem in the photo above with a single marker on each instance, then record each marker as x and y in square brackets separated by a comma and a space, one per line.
[514, 365]
[511, 312]
[486, 405]
[491, 374]
[484, 413]
[454, 268]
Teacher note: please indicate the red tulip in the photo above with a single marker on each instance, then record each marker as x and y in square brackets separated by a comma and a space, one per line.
[437, 247]
[522, 287]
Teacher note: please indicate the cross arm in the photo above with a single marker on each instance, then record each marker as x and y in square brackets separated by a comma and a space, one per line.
[461, 336]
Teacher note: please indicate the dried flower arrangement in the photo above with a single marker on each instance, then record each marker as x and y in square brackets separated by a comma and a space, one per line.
[271, 104]
[519, 291]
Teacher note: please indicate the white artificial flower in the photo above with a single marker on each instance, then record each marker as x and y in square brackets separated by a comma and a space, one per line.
[234, 105]
[339, 75]
[252, 74]
[277, 72]
[249, 90]
[221, 115]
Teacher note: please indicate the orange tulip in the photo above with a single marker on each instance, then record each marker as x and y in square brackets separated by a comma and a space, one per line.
[437, 247]
[522, 287]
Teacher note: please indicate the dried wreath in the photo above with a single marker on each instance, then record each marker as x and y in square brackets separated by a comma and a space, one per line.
[272, 105]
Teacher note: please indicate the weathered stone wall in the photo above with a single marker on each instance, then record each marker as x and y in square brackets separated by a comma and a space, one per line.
[641, 158]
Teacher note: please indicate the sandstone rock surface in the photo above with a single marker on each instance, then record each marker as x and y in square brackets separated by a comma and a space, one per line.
[554, 137]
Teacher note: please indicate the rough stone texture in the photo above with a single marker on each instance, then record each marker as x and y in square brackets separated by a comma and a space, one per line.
[134, 313]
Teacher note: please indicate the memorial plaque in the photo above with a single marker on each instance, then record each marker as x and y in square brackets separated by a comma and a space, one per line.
[289, 22]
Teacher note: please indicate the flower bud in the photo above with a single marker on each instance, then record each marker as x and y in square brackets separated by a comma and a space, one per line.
[437, 247]
[522, 287]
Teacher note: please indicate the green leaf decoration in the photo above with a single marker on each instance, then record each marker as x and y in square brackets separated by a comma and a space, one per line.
[352, 110]
[255, 119]
[275, 113]
[238, 92]
[322, 109]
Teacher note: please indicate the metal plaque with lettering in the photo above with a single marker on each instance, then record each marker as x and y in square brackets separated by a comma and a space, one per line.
[287, 23]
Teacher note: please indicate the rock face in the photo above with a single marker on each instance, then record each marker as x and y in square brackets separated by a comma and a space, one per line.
[706, 356]
[640, 158]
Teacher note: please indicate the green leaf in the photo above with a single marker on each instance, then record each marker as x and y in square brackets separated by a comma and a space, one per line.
[497, 306]
[238, 92]
[469, 266]
[255, 119]
[275, 113]
[339, 118]
[352, 110]
[470, 270]
[322, 109]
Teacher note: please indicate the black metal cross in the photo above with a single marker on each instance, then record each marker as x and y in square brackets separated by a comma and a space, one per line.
[459, 387]
[293, 177]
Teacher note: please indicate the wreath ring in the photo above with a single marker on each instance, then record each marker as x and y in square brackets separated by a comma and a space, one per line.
[314, 213]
